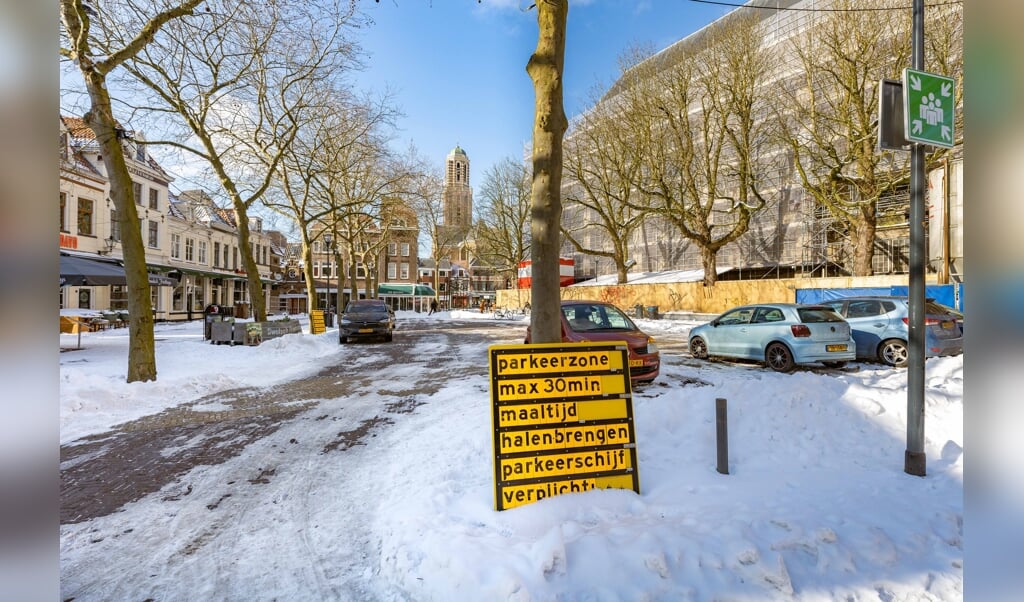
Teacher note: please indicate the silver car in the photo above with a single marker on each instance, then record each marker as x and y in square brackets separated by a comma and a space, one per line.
[781, 335]
[880, 328]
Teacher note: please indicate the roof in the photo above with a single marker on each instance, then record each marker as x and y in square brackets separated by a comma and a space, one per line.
[457, 151]
[651, 277]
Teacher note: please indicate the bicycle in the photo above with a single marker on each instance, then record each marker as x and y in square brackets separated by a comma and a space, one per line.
[506, 313]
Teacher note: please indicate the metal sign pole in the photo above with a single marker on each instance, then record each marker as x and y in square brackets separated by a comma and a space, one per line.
[914, 457]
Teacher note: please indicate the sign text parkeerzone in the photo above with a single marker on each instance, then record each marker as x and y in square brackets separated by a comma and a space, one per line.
[562, 420]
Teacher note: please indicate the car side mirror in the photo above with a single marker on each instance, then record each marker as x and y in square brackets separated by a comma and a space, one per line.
[714, 323]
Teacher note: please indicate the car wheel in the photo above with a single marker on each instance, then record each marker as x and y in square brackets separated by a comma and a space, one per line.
[698, 348]
[342, 340]
[778, 357]
[839, 364]
[388, 337]
[893, 352]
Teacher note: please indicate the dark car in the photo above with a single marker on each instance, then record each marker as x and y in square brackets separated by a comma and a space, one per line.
[366, 319]
[880, 328]
[596, 321]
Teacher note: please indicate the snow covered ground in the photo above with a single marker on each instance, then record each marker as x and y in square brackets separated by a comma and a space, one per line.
[817, 506]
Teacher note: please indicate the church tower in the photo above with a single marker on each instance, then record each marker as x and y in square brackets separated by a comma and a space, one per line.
[458, 196]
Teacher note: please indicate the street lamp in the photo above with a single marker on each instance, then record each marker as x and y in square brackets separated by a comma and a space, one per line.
[330, 272]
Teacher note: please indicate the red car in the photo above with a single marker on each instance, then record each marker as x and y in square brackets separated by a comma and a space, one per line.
[596, 321]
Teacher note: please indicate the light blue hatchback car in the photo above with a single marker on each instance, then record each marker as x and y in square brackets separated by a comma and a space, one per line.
[781, 335]
[880, 328]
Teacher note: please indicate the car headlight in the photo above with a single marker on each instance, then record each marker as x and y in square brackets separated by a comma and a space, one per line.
[385, 321]
[652, 347]
[345, 321]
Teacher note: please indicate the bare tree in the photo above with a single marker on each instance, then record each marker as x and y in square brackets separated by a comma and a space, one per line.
[335, 167]
[502, 229]
[92, 38]
[602, 165]
[829, 112]
[698, 116]
[549, 124]
[237, 88]
[828, 117]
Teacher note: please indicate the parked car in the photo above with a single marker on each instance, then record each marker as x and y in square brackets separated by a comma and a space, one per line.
[781, 335]
[880, 328]
[366, 319]
[596, 321]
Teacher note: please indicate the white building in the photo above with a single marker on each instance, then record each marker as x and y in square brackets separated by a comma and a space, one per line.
[191, 244]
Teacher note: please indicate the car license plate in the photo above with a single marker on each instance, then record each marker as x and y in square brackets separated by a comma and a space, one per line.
[835, 347]
[636, 363]
[947, 325]
[365, 330]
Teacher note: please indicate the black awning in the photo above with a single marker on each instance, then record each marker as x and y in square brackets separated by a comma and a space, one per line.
[81, 271]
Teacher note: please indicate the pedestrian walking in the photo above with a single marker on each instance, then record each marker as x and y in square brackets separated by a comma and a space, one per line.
[433, 306]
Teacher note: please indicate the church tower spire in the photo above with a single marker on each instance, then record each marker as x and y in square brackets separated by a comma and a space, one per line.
[458, 195]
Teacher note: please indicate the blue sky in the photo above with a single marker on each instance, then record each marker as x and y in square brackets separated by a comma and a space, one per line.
[458, 67]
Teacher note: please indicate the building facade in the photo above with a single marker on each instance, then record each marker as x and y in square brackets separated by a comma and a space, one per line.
[792, 235]
[191, 244]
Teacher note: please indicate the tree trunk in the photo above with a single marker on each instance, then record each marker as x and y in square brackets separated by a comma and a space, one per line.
[252, 273]
[549, 125]
[709, 259]
[863, 239]
[141, 344]
[312, 302]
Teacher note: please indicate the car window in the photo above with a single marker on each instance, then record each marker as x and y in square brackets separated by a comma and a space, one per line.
[737, 316]
[863, 309]
[817, 314]
[836, 305]
[768, 314]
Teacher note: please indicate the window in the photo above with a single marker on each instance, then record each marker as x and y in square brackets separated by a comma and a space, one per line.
[316, 246]
[154, 235]
[190, 249]
[216, 254]
[316, 269]
[392, 249]
[115, 225]
[119, 297]
[202, 252]
[225, 264]
[404, 272]
[137, 191]
[326, 269]
[63, 212]
[176, 246]
[154, 198]
[405, 249]
[360, 270]
[140, 154]
[392, 270]
[85, 217]
[234, 256]
[863, 309]
[178, 297]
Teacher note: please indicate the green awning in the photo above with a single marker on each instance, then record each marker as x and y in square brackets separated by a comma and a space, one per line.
[405, 289]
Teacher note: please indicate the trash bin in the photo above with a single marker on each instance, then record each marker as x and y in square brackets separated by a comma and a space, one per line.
[329, 318]
[652, 312]
[211, 314]
[638, 310]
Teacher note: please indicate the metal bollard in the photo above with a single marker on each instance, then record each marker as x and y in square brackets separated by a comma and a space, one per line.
[722, 432]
